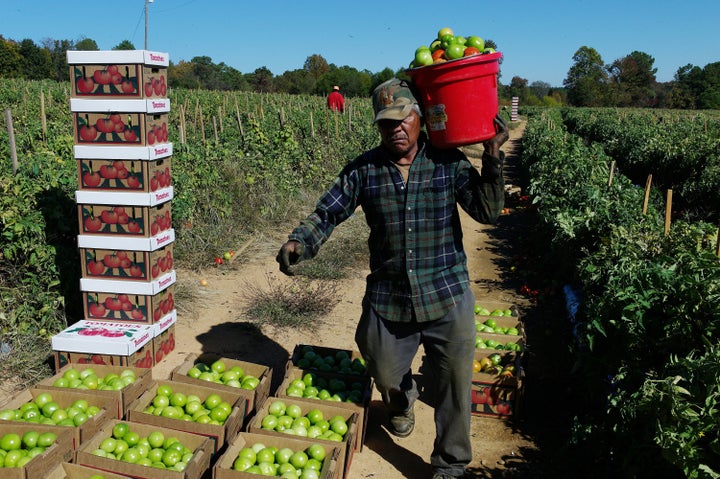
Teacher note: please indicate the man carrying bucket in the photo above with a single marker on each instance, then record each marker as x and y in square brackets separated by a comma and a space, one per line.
[418, 290]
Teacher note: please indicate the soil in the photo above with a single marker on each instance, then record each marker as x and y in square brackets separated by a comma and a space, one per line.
[216, 323]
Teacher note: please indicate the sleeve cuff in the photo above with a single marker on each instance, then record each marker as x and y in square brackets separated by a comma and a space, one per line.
[491, 165]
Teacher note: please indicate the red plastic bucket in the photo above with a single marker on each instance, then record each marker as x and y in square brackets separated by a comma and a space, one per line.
[460, 99]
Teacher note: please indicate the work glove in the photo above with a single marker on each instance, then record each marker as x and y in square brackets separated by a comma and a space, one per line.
[492, 146]
[290, 253]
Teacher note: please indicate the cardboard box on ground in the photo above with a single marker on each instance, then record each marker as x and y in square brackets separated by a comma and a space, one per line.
[41, 465]
[124, 395]
[219, 434]
[223, 468]
[350, 442]
[254, 396]
[199, 463]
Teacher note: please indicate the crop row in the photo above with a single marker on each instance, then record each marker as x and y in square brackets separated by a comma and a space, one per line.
[645, 309]
[681, 150]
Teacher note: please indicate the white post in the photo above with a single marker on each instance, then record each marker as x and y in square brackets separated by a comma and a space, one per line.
[147, 2]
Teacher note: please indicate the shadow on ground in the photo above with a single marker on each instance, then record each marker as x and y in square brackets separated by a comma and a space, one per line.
[244, 341]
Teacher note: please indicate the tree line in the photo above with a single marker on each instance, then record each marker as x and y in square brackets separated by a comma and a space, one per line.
[629, 81]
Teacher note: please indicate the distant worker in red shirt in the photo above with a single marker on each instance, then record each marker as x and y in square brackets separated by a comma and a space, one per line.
[335, 100]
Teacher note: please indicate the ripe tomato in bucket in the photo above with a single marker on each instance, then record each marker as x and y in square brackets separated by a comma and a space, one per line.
[459, 99]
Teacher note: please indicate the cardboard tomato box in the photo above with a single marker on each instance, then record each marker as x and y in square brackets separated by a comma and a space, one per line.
[94, 285]
[120, 122]
[350, 442]
[496, 395]
[41, 465]
[128, 243]
[104, 342]
[124, 396]
[363, 383]
[65, 398]
[142, 358]
[255, 397]
[495, 308]
[223, 468]
[141, 176]
[68, 470]
[118, 73]
[126, 265]
[499, 324]
[487, 342]
[218, 434]
[130, 288]
[97, 215]
[164, 339]
[147, 309]
[327, 359]
[119, 152]
[201, 447]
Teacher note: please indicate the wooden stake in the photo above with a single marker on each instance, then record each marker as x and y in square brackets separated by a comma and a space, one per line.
[312, 126]
[718, 243]
[648, 184]
[215, 130]
[668, 211]
[612, 171]
[11, 136]
[239, 120]
[43, 119]
[202, 128]
[182, 124]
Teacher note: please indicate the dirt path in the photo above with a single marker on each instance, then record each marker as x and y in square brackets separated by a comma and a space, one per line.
[217, 324]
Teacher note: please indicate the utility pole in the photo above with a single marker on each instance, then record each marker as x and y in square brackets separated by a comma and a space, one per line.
[147, 2]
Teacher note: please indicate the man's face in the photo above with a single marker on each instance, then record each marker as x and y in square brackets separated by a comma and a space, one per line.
[400, 137]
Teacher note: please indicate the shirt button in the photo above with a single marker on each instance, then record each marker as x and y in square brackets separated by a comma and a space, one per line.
[409, 229]
[410, 270]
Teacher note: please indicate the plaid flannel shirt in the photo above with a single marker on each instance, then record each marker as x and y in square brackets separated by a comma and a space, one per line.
[418, 268]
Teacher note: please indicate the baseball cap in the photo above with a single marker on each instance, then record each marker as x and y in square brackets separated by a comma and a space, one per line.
[393, 100]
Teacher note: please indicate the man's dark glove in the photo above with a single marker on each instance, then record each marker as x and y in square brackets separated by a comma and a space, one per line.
[290, 253]
[492, 146]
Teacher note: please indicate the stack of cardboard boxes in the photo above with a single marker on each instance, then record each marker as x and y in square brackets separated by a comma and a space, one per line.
[120, 120]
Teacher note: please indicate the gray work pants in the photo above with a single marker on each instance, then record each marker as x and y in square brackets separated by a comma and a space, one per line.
[449, 344]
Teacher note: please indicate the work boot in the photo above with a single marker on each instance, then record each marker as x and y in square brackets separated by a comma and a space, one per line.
[402, 423]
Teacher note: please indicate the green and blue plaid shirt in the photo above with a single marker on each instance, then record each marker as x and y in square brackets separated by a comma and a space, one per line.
[418, 268]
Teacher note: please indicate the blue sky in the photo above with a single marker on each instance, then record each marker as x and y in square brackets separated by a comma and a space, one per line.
[537, 39]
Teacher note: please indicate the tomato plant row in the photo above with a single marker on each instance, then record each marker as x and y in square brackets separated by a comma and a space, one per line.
[645, 334]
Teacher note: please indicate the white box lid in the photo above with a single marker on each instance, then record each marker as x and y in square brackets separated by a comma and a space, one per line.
[103, 337]
[124, 198]
[150, 288]
[125, 243]
[151, 105]
[164, 323]
[158, 59]
[155, 152]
